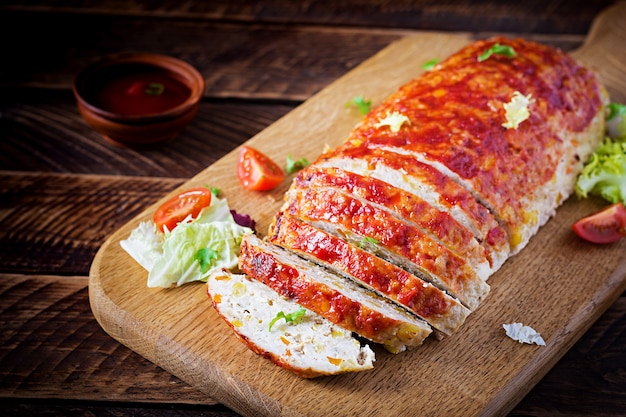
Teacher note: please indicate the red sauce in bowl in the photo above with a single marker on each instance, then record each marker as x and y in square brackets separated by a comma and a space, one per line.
[138, 90]
[138, 99]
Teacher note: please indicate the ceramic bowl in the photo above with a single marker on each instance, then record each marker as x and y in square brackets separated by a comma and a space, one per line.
[138, 99]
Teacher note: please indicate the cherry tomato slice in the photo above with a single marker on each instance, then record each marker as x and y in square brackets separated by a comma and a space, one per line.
[606, 226]
[177, 208]
[256, 171]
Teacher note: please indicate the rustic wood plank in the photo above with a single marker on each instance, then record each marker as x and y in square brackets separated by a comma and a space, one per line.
[52, 350]
[237, 60]
[242, 60]
[55, 223]
[581, 389]
[465, 15]
[591, 378]
[48, 408]
[42, 130]
[52, 347]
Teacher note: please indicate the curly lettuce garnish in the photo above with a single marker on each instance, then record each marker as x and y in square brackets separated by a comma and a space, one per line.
[191, 251]
[604, 174]
[394, 120]
[516, 110]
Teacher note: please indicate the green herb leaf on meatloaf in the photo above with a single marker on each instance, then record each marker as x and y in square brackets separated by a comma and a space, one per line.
[289, 318]
[497, 49]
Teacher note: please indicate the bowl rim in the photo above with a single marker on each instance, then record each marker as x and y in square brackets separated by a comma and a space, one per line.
[190, 75]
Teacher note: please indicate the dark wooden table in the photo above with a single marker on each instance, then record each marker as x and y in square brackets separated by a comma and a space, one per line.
[63, 190]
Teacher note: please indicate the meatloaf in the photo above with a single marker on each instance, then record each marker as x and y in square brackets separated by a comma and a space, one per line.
[433, 191]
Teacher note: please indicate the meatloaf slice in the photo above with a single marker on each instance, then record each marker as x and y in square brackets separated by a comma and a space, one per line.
[308, 346]
[405, 206]
[339, 300]
[443, 312]
[407, 173]
[377, 231]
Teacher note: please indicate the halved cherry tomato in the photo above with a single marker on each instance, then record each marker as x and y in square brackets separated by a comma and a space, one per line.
[177, 208]
[257, 171]
[606, 226]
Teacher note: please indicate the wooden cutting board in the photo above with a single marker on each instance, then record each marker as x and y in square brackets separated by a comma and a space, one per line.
[559, 285]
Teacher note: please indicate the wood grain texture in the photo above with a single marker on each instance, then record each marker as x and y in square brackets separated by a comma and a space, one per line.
[602, 51]
[480, 371]
[51, 344]
[40, 134]
[43, 131]
[465, 15]
[105, 409]
[45, 315]
[237, 60]
[54, 303]
[55, 223]
[601, 386]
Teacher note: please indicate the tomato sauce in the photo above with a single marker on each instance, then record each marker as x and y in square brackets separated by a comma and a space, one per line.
[401, 239]
[425, 300]
[138, 90]
[405, 204]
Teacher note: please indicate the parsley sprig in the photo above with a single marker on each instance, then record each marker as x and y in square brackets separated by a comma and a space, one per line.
[429, 65]
[497, 49]
[293, 165]
[204, 257]
[616, 109]
[154, 89]
[363, 105]
[368, 240]
[289, 318]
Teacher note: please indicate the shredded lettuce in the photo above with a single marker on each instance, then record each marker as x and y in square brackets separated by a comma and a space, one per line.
[144, 244]
[394, 120]
[178, 264]
[190, 252]
[604, 174]
[516, 110]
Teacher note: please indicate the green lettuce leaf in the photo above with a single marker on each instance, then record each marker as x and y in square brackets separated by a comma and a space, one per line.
[144, 244]
[604, 174]
[178, 264]
[190, 252]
